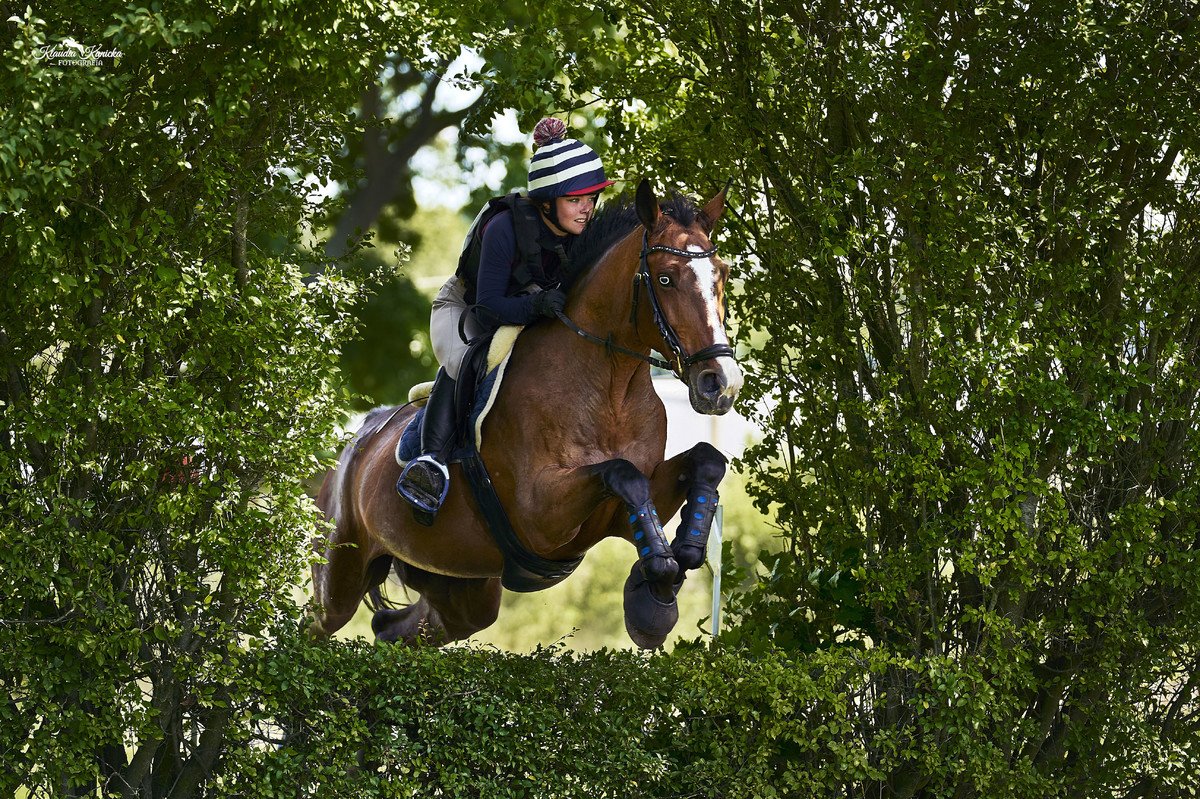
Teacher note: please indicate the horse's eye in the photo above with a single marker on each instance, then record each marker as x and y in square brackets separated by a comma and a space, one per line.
[664, 280]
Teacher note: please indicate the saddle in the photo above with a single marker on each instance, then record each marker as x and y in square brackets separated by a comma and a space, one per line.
[478, 384]
[475, 391]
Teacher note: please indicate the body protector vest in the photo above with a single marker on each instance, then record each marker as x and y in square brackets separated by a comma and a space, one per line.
[527, 226]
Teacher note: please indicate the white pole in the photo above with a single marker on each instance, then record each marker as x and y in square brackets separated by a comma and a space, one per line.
[714, 562]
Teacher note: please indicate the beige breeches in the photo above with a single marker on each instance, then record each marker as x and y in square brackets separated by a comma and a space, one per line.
[448, 308]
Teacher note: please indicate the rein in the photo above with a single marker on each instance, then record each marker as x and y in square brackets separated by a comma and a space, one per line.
[608, 344]
[682, 359]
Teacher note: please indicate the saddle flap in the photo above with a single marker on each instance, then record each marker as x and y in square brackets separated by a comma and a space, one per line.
[478, 384]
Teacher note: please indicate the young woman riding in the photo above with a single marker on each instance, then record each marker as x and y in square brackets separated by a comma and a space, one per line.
[512, 265]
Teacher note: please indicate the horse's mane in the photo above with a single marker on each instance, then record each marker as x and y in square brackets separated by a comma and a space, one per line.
[615, 219]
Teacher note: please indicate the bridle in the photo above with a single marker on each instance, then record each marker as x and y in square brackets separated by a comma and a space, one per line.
[682, 359]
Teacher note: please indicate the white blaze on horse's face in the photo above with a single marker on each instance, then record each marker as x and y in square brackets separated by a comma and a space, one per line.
[727, 373]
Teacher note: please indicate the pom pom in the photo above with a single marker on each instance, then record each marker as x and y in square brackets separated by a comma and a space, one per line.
[548, 131]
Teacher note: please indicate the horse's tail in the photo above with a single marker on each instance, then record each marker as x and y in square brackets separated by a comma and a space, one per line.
[376, 601]
[376, 598]
[333, 492]
[332, 497]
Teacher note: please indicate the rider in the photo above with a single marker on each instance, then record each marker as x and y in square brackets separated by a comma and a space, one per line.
[509, 273]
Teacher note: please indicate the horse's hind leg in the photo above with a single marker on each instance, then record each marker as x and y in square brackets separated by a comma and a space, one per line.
[340, 581]
[450, 608]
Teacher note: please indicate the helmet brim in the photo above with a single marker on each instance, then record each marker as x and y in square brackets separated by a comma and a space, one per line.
[589, 189]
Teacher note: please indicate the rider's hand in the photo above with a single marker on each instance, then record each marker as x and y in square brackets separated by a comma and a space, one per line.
[549, 303]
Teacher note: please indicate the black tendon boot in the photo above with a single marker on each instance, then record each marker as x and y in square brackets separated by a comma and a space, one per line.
[425, 480]
[691, 542]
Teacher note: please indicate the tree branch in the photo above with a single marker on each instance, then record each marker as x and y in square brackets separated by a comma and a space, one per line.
[386, 169]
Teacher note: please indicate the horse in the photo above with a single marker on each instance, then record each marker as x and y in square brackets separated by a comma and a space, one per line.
[574, 445]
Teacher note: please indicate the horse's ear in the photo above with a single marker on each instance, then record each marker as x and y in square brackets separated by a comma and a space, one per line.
[647, 204]
[713, 209]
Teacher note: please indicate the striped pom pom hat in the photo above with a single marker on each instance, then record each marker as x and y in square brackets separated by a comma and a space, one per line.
[562, 167]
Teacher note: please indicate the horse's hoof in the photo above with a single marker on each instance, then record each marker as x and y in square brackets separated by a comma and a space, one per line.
[648, 619]
[384, 618]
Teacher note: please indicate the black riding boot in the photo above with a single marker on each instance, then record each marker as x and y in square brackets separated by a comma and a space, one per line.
[425, 480]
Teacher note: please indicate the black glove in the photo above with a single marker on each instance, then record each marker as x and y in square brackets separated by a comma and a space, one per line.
[549, 303]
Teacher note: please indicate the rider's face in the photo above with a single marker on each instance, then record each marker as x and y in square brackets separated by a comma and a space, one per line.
[575, 212]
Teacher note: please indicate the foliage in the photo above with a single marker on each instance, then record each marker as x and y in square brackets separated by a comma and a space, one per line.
[391, 351]
[441, 233]
[972, 259]
[168, 372]
[361, 720]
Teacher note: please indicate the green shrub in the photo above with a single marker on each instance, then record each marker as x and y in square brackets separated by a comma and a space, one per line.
[167, 368]
[362, 720]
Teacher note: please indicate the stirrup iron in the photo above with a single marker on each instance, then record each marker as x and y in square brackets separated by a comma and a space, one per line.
[424, 484]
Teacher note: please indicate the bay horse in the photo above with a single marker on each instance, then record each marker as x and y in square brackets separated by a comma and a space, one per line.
[575, 443]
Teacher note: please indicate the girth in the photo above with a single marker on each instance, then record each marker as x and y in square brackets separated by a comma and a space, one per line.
[524, 571]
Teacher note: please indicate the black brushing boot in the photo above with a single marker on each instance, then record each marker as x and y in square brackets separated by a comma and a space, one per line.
[691, 541]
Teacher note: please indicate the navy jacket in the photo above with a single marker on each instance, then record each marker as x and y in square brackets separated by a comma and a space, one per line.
[499, 257]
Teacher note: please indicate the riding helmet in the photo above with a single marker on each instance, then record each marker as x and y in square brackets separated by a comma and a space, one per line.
[563, 167]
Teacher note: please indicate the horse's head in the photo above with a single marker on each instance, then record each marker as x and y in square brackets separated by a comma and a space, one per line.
[686, 299]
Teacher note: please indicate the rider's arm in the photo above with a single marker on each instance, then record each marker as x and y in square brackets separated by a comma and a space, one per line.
[496, 260]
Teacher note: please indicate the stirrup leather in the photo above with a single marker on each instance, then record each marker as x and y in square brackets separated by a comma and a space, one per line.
[424, 483]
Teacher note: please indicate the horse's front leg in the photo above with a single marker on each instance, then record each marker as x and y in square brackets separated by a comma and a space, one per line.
[690, 480]
[656, 561]
[650, 608]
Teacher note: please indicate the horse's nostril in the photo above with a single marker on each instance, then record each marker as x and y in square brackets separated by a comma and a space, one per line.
[710, 384]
